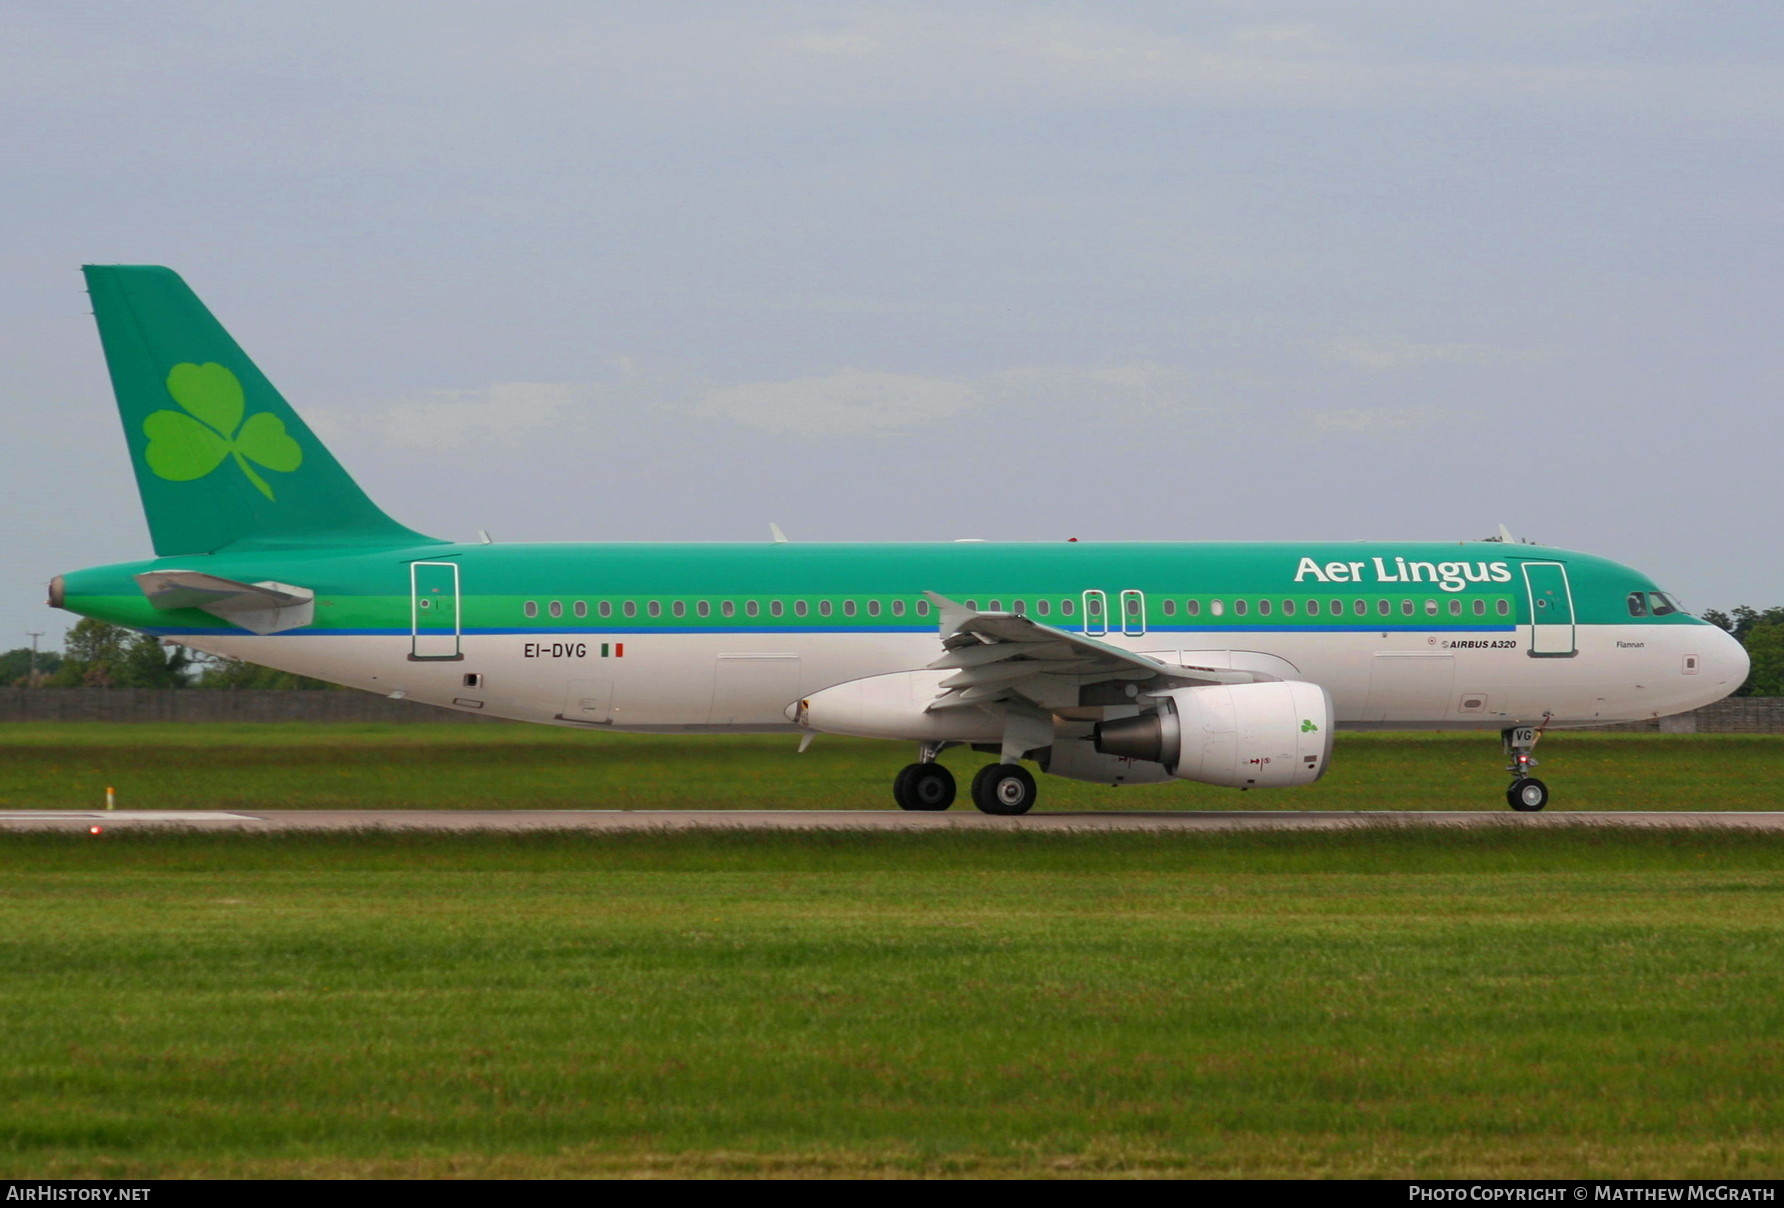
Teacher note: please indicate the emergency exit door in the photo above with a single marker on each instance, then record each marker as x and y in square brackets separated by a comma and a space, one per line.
[1096, 613]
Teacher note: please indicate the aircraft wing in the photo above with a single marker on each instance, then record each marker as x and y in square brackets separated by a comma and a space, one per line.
[257, 607]
[1002, 657]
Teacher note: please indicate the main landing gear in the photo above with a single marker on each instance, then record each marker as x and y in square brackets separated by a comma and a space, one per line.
[1527, 794]
[1003, 788]
[999, 788]
[924, 786]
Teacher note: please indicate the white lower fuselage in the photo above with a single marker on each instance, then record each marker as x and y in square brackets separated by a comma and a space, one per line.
[744, 682]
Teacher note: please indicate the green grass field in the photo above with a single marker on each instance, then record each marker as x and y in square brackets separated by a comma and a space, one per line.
[306, 766]
[1369, 1002]
[1363, 1002]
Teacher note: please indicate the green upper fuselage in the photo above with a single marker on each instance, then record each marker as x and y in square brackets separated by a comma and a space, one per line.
[843, 588]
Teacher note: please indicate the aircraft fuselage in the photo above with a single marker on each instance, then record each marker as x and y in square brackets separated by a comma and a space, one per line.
[1475, 635]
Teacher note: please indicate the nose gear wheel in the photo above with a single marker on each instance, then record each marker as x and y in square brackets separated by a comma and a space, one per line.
[1527, 795]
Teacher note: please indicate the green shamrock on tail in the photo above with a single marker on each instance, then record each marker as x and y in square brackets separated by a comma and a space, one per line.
[1307, 726]
[183, 447]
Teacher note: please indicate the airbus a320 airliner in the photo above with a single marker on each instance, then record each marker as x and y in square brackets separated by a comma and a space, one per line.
[1225, 663]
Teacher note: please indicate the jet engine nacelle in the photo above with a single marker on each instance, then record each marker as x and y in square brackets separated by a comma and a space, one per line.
[1247, 736]
[894, 706]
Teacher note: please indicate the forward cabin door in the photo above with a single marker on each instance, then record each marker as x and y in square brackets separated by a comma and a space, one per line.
[1551, 610]
[433, 611]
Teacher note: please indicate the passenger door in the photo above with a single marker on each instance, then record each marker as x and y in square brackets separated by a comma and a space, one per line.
[433, 611]
[1551, 610]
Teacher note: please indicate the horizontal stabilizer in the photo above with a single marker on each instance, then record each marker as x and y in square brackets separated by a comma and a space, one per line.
[257, 607]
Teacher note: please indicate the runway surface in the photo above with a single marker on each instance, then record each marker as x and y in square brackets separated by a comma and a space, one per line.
[867, 820]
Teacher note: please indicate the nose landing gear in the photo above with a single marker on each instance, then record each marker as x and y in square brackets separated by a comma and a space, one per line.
[1527, 794]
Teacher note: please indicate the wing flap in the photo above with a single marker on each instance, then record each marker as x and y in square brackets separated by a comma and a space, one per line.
[1009, 659]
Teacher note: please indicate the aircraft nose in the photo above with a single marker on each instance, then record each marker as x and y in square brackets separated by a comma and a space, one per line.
[1727, 661]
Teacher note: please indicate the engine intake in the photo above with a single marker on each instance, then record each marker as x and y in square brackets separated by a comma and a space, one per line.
[1269, 735]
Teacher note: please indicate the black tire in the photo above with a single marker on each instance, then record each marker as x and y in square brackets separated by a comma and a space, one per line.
[923, 786]
[1004, 788]
[1527, 795]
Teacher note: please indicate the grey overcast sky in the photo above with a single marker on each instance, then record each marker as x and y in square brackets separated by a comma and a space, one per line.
[907, 271]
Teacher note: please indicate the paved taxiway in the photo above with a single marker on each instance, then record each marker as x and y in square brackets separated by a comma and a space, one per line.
[870, 820]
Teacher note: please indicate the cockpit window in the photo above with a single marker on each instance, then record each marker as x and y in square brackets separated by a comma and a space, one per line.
[1661, 604]
[1638, 603]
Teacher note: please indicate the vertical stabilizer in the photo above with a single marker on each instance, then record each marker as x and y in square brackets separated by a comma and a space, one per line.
[220, 458]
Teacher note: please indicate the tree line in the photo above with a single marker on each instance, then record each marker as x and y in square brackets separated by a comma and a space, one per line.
[101, 655]
[97, 654]
[1762, 633]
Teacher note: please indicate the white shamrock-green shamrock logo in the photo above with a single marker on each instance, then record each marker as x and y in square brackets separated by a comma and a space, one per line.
[190, 444]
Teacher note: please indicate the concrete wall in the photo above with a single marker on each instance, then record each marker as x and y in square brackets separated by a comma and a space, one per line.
[214, 705]
[1736, 715]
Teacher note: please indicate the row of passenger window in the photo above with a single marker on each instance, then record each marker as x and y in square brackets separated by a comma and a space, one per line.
[1041, 607]
[1315, 607]
[729, 608]
[1218, 607]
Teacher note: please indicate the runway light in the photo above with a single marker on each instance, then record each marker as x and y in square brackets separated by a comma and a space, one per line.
[95, 830]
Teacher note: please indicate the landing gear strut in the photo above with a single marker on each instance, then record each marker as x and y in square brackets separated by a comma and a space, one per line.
[926, 784]
[1527, 794]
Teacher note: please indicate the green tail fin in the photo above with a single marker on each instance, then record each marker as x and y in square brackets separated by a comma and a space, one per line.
[221, 459]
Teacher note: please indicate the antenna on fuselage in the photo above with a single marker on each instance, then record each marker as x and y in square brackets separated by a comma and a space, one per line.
[1506, 537]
